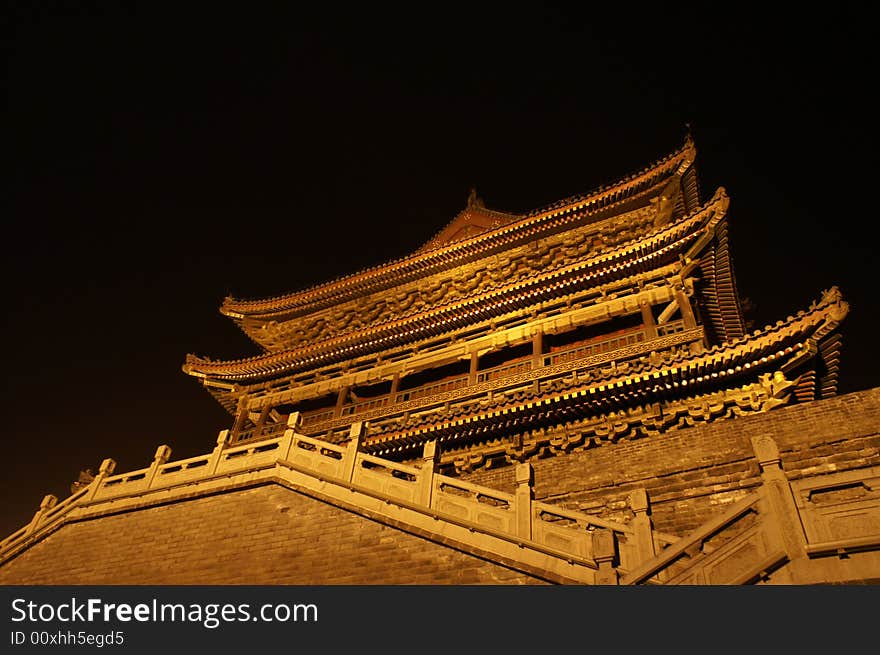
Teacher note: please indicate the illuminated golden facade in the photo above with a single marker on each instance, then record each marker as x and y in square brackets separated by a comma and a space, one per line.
[525, 399]
[607, 315]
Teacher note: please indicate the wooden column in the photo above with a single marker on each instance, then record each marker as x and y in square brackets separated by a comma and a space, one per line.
[340, 400]
[684, 306]
[240, 418]
[537, 349]
[475, 364]
[264, 414]
[648, 320]
[395, 384]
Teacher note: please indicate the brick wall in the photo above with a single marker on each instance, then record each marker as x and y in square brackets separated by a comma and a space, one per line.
[692, 473]
[263, 535]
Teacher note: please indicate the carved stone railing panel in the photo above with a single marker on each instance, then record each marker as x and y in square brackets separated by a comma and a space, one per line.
[570, 537]
[386, 478]
[125, 483]
[840, 511]
[261, 453]
[474, 503]
[317, 455]
[184, 470]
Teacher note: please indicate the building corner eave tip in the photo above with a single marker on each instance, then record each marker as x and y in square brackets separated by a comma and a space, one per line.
[833, 297]
[720, 196]
[689, 148]
[225, 311]
[188, 366]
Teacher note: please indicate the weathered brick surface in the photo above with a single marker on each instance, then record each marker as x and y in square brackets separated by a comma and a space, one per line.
[692, 473]
[264, 535]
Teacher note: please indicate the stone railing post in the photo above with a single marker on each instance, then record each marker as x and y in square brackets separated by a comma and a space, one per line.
[604, 551]
[524, 495]
[217, 453]
[106, 470]
[356, 438]
[294, 421]
[49, 501]
[642, 526]
[430, 457]
[163, 454]
[783, 509]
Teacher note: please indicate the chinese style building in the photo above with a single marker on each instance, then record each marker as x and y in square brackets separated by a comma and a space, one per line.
[565, 395]
[506, 336]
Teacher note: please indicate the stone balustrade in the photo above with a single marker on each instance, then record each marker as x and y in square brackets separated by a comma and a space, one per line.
[779, 524]
[772, 533]
[486, 516]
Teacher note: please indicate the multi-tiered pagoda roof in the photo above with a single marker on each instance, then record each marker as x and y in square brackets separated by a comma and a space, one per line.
[606, 315]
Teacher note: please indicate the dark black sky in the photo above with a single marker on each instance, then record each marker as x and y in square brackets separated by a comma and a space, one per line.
[157, 162]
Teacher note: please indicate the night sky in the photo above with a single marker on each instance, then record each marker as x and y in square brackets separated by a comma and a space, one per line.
[157, 162]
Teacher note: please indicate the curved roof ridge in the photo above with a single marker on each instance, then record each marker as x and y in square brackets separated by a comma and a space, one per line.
[688, 148]
[233, 306]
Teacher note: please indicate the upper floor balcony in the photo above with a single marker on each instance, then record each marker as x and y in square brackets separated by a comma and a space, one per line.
[394, 403]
